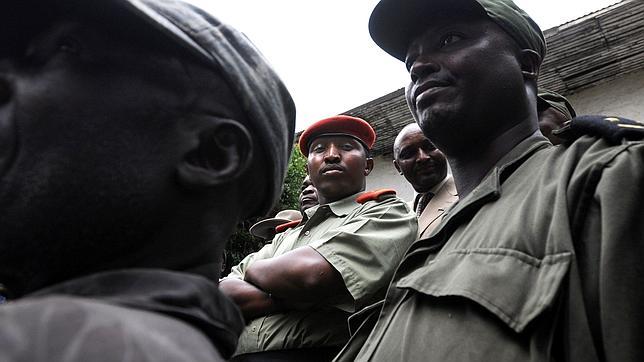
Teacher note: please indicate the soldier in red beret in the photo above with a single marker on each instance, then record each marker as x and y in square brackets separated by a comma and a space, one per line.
[297, 292]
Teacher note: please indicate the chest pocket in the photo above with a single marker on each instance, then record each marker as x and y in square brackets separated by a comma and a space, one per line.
[514, 286]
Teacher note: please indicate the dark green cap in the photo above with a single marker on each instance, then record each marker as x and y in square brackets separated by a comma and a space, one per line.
[394, 23]
[547, 99]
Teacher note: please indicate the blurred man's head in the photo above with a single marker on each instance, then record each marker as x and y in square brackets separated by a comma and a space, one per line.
[553, 111]
[308, 195]
[127, 142]
[416, 158]
[338, 159]
[471, 63]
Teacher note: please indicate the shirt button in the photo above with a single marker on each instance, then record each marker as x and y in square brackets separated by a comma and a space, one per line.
[254, 329]
[307, 233]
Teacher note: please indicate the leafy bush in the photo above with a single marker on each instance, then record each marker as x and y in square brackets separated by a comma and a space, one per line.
[242, 243]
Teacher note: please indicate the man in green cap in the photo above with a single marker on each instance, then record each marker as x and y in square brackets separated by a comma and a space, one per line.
[541, 258]
[553, 111]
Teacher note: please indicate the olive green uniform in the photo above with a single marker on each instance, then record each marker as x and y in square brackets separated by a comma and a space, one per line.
[364, 242]
[542, 261]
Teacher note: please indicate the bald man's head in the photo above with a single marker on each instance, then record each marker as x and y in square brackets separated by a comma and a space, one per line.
[416, 158]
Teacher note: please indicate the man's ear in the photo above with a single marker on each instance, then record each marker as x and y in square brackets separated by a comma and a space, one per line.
[397, 167]
[368, 166]
[223, 153]
[530, 63]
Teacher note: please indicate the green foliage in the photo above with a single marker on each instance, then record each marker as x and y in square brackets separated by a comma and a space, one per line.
[294, 177]
[242, 243]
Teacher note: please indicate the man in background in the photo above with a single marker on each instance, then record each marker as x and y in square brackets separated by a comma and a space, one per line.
[553, 111]
[127, 152]
[308, 195]
[286, 219]
[425, 168]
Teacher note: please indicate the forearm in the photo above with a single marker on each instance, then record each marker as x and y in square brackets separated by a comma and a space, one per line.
[252, 301]
[299, 276]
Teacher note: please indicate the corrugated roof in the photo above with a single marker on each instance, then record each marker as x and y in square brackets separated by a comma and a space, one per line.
[387, 115]
[582, 53]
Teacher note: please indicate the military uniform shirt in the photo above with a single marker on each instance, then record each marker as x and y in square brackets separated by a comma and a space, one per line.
[542, 261]
[364, 242]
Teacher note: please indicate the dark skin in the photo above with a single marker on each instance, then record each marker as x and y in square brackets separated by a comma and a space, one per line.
[120, 180]
[338, 167]
[416, 158]
[251, 300]
[308, 195]
[301, 278]
[473, 93]
[551, 119]
[298, 279]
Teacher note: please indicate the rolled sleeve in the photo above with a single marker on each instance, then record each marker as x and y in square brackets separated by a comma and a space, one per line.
[367, 248]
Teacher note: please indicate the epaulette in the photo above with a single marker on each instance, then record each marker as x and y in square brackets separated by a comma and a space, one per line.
[612, 129]
[283, 227]
[376, 195]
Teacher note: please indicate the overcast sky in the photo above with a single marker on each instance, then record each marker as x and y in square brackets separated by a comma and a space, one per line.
[323, 52]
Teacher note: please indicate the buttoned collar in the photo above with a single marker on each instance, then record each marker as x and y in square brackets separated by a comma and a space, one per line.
[339, 208]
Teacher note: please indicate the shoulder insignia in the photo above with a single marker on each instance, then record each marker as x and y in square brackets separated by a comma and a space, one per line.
[611, 129]
[283, 227]
[376, 195]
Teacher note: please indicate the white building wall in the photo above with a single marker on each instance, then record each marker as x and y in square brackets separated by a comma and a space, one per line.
[385, 176]
[623, 97]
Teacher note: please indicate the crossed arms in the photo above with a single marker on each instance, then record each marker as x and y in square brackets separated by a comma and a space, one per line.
[296, 279]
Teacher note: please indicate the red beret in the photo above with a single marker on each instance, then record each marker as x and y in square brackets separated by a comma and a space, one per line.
[338, 125]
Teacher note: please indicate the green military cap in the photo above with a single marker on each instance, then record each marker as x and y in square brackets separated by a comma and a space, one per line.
[394, 23]
[546, 99]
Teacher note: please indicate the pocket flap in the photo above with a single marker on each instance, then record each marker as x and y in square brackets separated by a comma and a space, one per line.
[514, 286]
